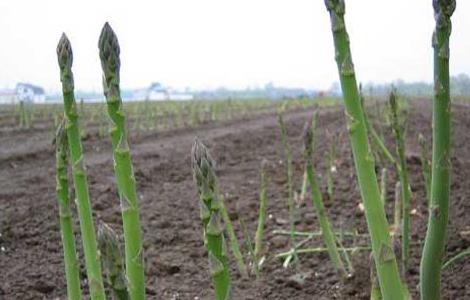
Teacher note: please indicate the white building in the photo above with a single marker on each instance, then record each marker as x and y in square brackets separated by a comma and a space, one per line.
[23, 92]
[157, 92]
[30, 93]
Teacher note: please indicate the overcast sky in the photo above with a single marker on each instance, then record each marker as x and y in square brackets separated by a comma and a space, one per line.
[233, 43]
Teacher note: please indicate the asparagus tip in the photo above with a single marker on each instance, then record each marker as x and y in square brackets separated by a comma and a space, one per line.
[108, 44]
[64, 52]
[203, 167]
[446, 7]
[308, 139]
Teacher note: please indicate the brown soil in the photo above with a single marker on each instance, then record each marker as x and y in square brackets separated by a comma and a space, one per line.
[176, 262]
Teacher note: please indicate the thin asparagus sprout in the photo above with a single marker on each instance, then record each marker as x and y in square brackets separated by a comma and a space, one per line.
[456, 258]
[303, 189]
[383, 185]
[110, 63]
[206, 183]
[386, 265]
[346, 256]
[290, 186]
[72, 269]
[331, 168]
[113, 260]
[232, 238]
[434, 246]
[376, 139]
[92, 259]
[317, 200]
[425, 166]
[248, 243]
[397, 210]
[320, 249]
[403, 174]
[318, 233]
[263, 205]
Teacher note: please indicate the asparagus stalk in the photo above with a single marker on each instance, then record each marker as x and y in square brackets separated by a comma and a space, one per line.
[206, 183]
[110, 63]
[263, 204]
[403, 174]
[383, 186]
[304, 187]
[328, 235]
[385, 261]
[232, 237]
[72, 269]
[434, 245]
[425, 166]
[397, 210]
[92, 259]
[331, 168]
[290, 186]
[113, 262]
[377, 141]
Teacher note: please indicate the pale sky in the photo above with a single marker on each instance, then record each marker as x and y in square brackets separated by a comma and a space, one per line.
[232, 43]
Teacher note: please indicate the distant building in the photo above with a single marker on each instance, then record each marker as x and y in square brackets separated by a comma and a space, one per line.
[157, 92]
[23, 92]
[30, 93]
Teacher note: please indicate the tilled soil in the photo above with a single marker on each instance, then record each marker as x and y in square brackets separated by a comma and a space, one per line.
[176, 262]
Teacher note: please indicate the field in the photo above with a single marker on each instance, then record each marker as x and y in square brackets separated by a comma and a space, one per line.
[239, 139]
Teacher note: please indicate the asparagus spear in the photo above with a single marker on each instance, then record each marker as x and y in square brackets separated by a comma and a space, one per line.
[290, 184]
[383, 186]
[434, 245]
[328, 235]
[403, 174]
[232, 238]
[206, 183]
[110, 63]
[263, 203]
[425, 166]
[92, 260]
[113, 262]
[74, 291]
[385, 261]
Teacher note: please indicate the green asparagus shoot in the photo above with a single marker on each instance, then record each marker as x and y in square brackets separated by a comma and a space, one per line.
[290, 184]
[233, 240]
[72, 271]
[87, 228]
[328, 235]
[113, 260]
[206, 183]
[434, 246]
[385, 261]
[403, 174]
[110, 62]
[263, 203]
